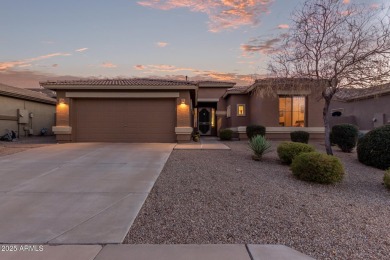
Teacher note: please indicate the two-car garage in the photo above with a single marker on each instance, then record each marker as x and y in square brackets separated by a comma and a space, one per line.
[125, 110]
[125, 120]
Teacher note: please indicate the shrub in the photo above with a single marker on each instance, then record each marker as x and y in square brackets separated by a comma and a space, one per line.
[288, 150]
[225, 134]
[259, 145]
[253, 130]
[345, 136]
[374, 148]
[386, 179]
[317, 167]
[300, 136]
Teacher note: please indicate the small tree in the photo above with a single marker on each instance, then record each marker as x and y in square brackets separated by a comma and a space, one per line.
[337, 45]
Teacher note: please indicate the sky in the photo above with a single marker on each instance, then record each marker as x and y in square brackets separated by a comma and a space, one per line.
[226, 40]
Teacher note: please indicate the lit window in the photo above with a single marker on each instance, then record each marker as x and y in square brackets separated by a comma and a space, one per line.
[228, 111]
[292, 110]
[241, 110]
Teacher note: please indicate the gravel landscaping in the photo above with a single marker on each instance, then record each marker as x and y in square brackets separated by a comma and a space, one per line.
[23, 144]
[213, 197]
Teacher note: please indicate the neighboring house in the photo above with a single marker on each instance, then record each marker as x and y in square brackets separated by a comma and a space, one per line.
[156, 110]
[288, 109]
[47, 92]
[25, 112]
[367, 108]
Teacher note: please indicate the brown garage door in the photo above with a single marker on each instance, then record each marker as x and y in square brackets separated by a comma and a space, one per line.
[125, 120]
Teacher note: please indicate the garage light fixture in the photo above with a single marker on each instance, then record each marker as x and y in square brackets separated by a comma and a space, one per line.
[183, 101]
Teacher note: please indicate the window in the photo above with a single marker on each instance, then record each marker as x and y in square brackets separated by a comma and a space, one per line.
[241, 110]
[228, 111]
[292, 111]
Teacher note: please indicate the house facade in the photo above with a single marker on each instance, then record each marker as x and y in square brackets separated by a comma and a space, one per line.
[156, 110]
[25, 112]
[284, 110]
[366, 108]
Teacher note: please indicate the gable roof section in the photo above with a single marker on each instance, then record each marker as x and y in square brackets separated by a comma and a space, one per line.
[25, 94]
[130, 83]
[363, 93]
[213, 84]
[238, 90]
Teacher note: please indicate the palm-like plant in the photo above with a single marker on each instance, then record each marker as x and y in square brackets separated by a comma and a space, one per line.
[259, 146]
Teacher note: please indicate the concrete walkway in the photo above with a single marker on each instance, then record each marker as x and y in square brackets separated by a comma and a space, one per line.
[205, 143]
[160, 252]
[80, 193]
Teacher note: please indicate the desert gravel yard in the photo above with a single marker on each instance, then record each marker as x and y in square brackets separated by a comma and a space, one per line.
[213, 197]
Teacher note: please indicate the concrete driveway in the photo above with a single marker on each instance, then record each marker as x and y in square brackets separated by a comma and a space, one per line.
[81, 193]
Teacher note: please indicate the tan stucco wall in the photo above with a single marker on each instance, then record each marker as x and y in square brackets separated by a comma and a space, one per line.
[265, 110]
[211, 92]
[364, 110]
[235, 120]
[43, 115]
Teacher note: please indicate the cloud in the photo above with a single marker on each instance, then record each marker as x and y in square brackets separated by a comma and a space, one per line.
[54, 65]
[260, 45]
[161, 44]
[174, 72]
[108, 65]
[27, 62]
[283, 26]
[346, 1]
[139, 67]
[223, 14]
[81, 50]
[29, 78]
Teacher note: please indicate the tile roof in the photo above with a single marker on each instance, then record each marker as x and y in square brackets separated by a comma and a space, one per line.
[119, 82]
[26, 94]
[362, 93]
[47, 92]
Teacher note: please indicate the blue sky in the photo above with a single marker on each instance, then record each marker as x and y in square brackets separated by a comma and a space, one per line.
[209, 39]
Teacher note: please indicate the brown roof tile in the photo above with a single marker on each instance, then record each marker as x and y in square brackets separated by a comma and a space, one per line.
[119, 82]
[361, 93]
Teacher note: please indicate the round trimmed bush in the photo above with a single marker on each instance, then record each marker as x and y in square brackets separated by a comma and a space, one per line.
[287, 151]
[300, 136]
[373, 148]
[318, 167]
[225, 134]
[253, 130]
[345, 136]
[386, 179]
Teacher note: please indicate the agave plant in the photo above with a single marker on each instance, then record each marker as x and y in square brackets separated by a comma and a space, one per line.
[259, 146]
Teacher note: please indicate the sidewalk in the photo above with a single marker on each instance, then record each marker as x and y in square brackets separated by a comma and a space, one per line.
[205, 143]
[158, 252]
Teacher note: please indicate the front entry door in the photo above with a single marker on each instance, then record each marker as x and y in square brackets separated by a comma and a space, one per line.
[205, 121]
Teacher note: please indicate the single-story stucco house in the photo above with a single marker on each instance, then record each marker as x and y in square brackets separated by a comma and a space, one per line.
[366, 108]
[26, 112]
[157, 110]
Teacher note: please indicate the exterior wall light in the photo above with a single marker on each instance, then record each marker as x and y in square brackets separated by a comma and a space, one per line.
[61, 101]
[183, 101]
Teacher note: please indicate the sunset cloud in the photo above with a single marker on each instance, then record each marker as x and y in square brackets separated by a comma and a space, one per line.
[108, 65]
[28, 62]
[81, 50]
[161, 44]
[223, 14]
[174, 72]
[139, 67]
[283, 26]
[263, 46]
[346, 1]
